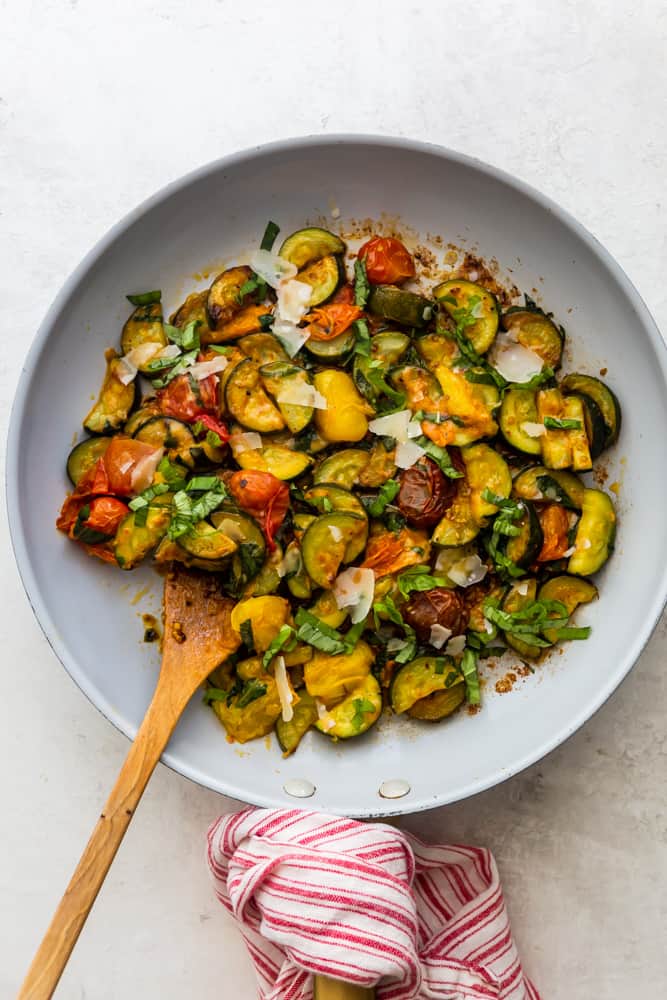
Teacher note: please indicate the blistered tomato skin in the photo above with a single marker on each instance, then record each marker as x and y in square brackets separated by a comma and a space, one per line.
[388, 261]
[439, 606]
[425, 494]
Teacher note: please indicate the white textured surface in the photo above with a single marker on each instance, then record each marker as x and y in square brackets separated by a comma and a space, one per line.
[101, 105]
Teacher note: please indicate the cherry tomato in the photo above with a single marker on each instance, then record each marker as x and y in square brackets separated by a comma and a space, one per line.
[178, 399]
[208, 392]
[130, 465]
[555, 525]
[388, 262]
[98, 520]
[440, 606]
[425, 493]
[329, 321]
[264, 497]
[213, 424]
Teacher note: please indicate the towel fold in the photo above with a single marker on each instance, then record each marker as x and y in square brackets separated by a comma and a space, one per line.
[365, 903]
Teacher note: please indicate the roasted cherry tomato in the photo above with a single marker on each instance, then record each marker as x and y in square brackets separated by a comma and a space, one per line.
[388, 262]
[98, 520]
[439, 606]
[130, 465]
[213, 424]
[327, 322]
[178, 399]
[264, 497]
[555, 525]
[425, 494]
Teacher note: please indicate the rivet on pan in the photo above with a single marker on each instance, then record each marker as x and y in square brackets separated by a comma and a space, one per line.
[299, 788]
[395, 788]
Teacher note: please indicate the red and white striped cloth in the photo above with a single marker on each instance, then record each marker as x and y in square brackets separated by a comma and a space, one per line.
[365, 903]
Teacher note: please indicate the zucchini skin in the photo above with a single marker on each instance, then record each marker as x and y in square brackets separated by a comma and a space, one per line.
[596, 533]
[600, 393]
[83, 457]
[399, 306]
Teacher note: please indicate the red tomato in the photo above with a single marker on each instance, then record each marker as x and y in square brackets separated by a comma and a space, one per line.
[208, 392]
[555, 525]
[130, 465]
[388, 262]
[329, 321]
[212, 424]
[102, 517]
[264, 497]
[179, 400]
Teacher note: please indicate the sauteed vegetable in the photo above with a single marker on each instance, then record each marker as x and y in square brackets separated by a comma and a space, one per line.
[385, 479]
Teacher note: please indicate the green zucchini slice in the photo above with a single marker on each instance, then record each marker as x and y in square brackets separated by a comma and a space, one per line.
[437, 349]
[596, 532]
[268, 578]
[205, 542]
[307, 245]
[607, 403]
[247, 401]
[389, 346]
[263, 349]
[540, 484]
[485, 469]
[146, 412]
[355, 715]
[193, 310]
[298, 581]
[173, 435]
[420, 386]
[281, 462]
[556, 444]
[84, 456]
[339, 347]
[133, 542]
[458, 294]
[458, 526]
[571, 591]
[399, 306]
[224, 299]
[513, 601]
[343, 468]
[519, 407]
[324, 276]
[439, 705]
[304, 715]
[114, 401]
[327, 498]
[145, 326]
[525, 547]
[421, 678]
[330, 541]
[596, 429]
[535, 331]
[279, 378]
[248, 560]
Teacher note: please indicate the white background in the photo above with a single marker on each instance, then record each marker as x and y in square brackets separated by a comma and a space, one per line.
[100, 105]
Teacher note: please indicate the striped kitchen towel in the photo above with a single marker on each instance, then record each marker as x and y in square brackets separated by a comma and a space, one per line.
[365, 903]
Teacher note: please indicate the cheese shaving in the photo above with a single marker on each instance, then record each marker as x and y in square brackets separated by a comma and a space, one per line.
[439, 635]
[245, 441]
[514, 362]
[569, 552]
[456, 645]
[394, 645]
[298, 393]
[125, 371]
[336, 533]
[202, 369]
[533, 429]
[355, 588]
[468, 571]
[327, 721]
[284, 689]
[521, 588]
[271, 267]
[144, 471]
[292, 337]
[293, 300]
[407, 453]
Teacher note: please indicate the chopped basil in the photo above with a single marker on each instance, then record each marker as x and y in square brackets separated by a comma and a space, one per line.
[213, 439]
[172, 474]
[286, 639]
[214, 694]
[247, 638]
[361, 707]
[219, 348]
[181, 365]
[362, 338]
[318, 634]
[269, 237]
[567, 424]
[186, 512]
[469, 671]
[385, 495]
[440, 456]
[529, 622]
[552, 490]
[374, 375]
[504, 526]
[419, 578]
[145, 298]
[362, 288]
[255, 285]
[204, 483]
[266, 321]
[187, 338]
[252, 690]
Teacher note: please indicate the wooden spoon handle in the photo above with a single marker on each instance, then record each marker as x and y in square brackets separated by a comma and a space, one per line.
[68, 920]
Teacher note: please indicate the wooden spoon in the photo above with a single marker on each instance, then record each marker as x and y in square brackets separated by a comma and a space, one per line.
[197, 637]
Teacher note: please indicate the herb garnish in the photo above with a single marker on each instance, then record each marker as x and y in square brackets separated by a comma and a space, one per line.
[386, 494]
[362, 341]
[269, 237]
[252, 690]
[362, 287]
[469, 671]
[566, 424]
[145, 298]
[286, 639]
[361, 707]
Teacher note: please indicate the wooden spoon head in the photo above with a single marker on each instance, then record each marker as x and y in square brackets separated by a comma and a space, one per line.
[198, 633]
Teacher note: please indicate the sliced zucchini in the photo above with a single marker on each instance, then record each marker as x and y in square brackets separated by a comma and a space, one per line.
[114, 401]
[539, 483]
[421, 678]
[437, 349]
[298, 581]
[224, 300]
[206, 543]
[193, 310]
[307, 245]
[246, 322]
[328, 498]
[570, 591]
[421, 387]
[485, 469]
[514, 600]
[171, 434]
[607, 403]
[438, 705]
[389, 346]
[281, 380]
[525, 547]
[248, 560]
[145, 326]
[573, 409]
[535, 331]
[247, 401]
[519, 407]
[380, 467]
[339, 347]
[330, 541]
[148, 409]
[268, 579]
[84, 456]
[301, 522]
[399, 306]
[133, 542]
[458, 526]
[596, 429]
[458, 294]
[304, 715]
[596, 532]
[555, 444]
[343, 468]
[355, 714]
[471, 404]
[324, 276]
[326, 609]
[281, 462]
[263, 349]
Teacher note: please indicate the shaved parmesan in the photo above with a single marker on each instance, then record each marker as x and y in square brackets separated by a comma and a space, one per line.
[569, 552]
[293, 300]
[514, 362]
[407, 453]
[298, 393]
[327, 721]
[202, 369]
[140, 355]
[245, 441]
[271, 267]
[439, 635]
[392, 425]
[468, 571]
[355, 588]
[336, 533]
[284, 689]
[125, 371]
[532, 429]
[521, 588]
[144, 471]
[292, 337]
[290, 562]
[456, 645]
[170, 351]
[394, 645]
[230, 529]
